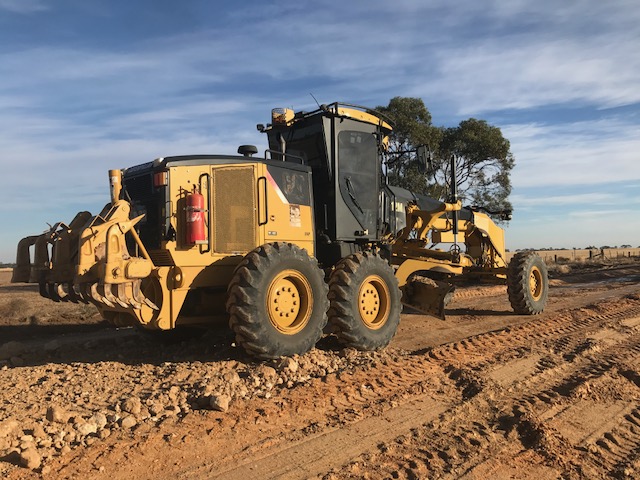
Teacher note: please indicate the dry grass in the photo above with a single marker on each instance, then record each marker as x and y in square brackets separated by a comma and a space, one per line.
[582, 255]
[587, 265]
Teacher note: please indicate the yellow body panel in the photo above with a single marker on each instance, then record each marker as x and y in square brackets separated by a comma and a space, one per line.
[479, 235]
[286, 116]
[285, 222]
[245, 207]
[364, 117]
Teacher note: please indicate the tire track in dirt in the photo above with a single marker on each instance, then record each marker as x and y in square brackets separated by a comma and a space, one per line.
[478, 437]
[560, 399]
[619, 449]
[364, 410]
[319, 453]
[489, 344]
[577, 411]
[467, 393]
[472, 364]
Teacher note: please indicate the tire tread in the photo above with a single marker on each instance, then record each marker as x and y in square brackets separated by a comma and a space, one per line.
[518, 273]
[247, 320]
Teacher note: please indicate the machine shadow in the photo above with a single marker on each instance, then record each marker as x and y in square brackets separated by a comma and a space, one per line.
[37, 345]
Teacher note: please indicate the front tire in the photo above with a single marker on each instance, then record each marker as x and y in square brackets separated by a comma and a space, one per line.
[277, 301]
[527, 283]
[365, 301]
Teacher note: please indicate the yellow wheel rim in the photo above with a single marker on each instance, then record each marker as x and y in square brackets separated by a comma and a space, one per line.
[373, 302]
[535, 283]
[289, 302]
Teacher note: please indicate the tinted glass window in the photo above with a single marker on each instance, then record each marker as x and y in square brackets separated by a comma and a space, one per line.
[304, 142]
[358, 167]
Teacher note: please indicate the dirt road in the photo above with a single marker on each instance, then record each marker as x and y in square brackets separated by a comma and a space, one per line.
[485, 394]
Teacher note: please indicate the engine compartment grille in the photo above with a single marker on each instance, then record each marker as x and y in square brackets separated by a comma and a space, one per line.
[234, 207]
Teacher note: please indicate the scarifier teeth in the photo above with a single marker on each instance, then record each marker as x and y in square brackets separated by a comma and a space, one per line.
[150, 304]
[98, 296]
[53, 292]
[108, 295]
[94, 292]
[62, 295]
[139, 297]
[85, 293]
[121, 290]
[73, 295]
[122, 295]
[135, 304]
[42, 288]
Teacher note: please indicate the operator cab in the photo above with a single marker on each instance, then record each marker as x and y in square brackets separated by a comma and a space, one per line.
[343, 146]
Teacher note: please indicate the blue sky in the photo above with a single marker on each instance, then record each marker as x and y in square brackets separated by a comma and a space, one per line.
[88, 85]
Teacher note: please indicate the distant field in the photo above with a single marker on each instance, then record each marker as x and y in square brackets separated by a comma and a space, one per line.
[551, 256]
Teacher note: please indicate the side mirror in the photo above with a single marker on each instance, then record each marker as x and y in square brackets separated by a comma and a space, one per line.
[423, 154]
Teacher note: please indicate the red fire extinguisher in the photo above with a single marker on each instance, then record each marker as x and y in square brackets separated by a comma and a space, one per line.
[195, 231]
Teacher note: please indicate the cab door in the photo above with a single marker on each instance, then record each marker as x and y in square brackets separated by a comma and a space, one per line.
[358, 177]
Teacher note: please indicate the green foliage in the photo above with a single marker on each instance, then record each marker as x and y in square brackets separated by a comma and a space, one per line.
[411, 127]
[411, 123]
[484, 163]
[482, 156]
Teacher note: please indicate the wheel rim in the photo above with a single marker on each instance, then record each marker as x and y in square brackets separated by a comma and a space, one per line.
[373, 302]
[535, 283]
[289, 302]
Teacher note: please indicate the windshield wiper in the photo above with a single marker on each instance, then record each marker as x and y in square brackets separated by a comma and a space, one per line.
[351, 194]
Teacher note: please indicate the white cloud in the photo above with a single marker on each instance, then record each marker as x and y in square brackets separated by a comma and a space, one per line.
[521, 73]
[23, 6]
[563, 200]
[595, 216]
[589, 152]
[526, 54]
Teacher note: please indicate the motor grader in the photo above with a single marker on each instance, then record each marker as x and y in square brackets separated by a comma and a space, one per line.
[308, 239]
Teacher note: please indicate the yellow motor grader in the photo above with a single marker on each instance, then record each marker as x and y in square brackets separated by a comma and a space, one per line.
[308, 239]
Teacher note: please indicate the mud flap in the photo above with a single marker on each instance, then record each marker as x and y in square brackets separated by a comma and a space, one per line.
[428, 296]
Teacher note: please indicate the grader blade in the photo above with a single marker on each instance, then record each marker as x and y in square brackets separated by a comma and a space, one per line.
[428, 296]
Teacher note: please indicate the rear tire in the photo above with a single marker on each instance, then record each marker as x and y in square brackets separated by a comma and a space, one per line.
[277, 301]
[365, 301]
[527, 283]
